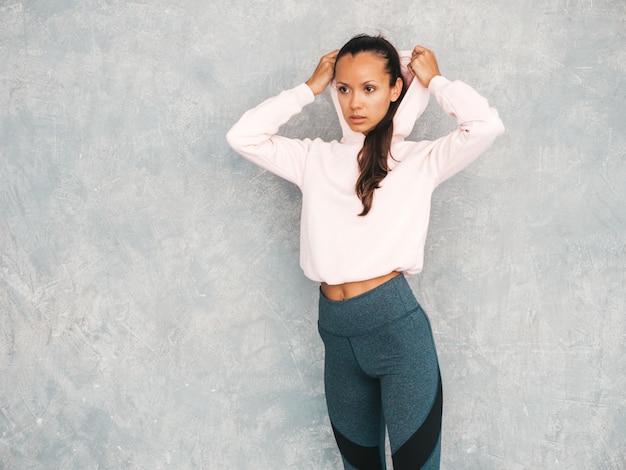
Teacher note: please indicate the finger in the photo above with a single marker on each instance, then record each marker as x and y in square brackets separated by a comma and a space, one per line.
[419, 51]
[332, 55]
[328, 61]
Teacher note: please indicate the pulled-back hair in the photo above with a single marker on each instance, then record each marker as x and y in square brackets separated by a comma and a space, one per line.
[376, 149]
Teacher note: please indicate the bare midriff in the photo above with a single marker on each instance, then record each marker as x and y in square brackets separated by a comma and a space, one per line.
[348, 290]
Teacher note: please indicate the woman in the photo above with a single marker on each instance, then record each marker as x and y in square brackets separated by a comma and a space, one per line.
[365, 211]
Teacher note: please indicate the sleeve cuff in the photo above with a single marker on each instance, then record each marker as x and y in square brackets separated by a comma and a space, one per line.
[437, 83]
[304, 93]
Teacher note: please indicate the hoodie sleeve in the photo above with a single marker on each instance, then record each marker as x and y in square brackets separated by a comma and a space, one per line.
[254, 135]
[479, 125]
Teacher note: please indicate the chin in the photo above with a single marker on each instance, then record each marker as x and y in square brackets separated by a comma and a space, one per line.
[362, 128]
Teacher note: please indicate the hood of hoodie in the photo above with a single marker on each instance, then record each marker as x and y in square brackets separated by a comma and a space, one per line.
[411, 107]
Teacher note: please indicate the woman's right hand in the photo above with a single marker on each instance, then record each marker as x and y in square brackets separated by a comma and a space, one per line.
[323, 73]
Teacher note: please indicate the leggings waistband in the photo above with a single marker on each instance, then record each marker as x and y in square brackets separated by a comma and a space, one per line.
[372, 309]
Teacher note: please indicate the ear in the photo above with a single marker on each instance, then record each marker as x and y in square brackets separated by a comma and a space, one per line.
[396, 90]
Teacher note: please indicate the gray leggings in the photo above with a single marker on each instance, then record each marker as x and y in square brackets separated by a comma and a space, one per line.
[381, 370]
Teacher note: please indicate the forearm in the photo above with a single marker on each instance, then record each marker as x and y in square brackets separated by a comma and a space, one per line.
[478, 126]
[255, 137]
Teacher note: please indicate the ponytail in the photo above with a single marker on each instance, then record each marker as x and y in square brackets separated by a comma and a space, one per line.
[373, 159]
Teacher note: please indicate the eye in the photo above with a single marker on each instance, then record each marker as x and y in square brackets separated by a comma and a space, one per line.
[370, 88]
[342, 89]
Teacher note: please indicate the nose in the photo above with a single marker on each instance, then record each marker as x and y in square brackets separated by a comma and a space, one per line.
[355, 101]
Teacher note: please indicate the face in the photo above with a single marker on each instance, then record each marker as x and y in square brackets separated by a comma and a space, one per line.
[363, 90]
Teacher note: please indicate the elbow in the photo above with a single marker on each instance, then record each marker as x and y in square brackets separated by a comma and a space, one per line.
[497, 127]
[236, 139]
[231, 138]
[489, 129]
[495, 123]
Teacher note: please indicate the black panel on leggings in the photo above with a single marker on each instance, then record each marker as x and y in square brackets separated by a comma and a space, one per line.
[415, 452]
[361, 457]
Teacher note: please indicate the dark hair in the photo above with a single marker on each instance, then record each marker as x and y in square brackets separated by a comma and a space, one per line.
[373, 156]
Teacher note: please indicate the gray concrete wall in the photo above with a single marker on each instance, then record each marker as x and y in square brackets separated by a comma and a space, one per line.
[153, 314]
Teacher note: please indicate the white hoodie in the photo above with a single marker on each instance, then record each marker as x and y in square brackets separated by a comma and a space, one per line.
[336, 244]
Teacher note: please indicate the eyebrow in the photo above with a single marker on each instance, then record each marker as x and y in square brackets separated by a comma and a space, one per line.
[364, 83]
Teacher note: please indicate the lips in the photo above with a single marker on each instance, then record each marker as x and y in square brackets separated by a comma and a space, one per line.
[356, 119]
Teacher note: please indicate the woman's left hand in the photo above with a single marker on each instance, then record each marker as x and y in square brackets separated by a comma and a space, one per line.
[424, 65]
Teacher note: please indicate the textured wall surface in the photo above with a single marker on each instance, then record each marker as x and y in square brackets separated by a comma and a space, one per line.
[152, 310]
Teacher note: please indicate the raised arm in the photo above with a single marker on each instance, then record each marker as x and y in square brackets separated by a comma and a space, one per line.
[255, 137]
[478, 123]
